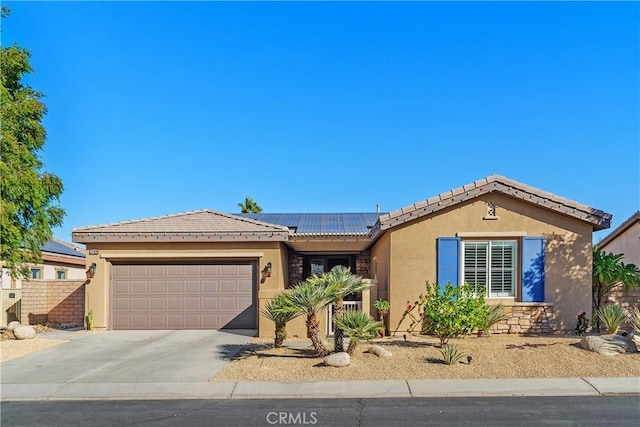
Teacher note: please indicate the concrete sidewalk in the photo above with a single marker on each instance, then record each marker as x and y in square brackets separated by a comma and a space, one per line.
[324, 389]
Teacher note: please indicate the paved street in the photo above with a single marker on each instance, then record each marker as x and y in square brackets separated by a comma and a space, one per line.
[496, 411]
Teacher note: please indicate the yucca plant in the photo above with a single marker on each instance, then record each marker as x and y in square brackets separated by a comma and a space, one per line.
[309, 297]
[358, 326]
[634, 318]
[450, 354]
[281, 310]
[612, 316]
[495, 313]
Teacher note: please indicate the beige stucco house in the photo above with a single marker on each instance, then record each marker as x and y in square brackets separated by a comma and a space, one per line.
[529, 249]
[625, 239]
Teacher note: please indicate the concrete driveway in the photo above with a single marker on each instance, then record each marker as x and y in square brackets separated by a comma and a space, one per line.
[114, 364]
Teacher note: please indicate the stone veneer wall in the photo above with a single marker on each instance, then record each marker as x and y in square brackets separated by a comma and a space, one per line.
[295, 268]
[363, 264]
[527, 318]
[627, 299]
[55, 301]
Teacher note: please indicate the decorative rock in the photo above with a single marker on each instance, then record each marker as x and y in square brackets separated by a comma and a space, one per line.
[12, 325]
[338, 359]
[24, 332]
[635, 338]
[608, 345]
[379, 351]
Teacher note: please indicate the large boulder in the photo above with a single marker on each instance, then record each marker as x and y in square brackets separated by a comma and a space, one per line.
[379, 351]
[338, 359]
[12, 325]
[608, 345]
[635, 338]
[24, 332]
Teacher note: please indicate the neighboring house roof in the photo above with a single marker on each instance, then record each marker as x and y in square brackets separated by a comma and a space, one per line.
[200, 225]
[60, 247]
[353, 223]
[633, 219]
[494, 183]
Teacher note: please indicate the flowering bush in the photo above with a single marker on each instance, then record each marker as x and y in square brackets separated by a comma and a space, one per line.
[583, 324]
[452, 311]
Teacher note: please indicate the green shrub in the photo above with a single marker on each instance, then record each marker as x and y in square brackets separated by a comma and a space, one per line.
[453, 311]
[90, 320]
[635, 319]
[358, 326]
[450, 354]
[583, 324]
[493, 314]
[612, 316]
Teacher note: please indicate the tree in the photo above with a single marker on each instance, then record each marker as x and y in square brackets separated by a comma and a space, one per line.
[28, 193]
[309, 297]
[609, 271]
[249, 206]
[280, 310]
[345, 283]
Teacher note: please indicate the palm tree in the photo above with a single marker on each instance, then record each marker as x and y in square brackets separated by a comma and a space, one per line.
[249, 206]
[609, 270]
[346, 283]
[358, 326]
[309, 297]
[280, 310]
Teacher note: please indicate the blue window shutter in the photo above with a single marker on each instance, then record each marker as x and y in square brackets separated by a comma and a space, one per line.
[533, 269]
[448, 260]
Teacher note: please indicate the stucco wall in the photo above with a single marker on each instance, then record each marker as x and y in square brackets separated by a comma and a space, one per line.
[98, 292]
[413, 257]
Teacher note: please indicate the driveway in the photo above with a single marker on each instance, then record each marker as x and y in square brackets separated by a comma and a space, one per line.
[107, 364]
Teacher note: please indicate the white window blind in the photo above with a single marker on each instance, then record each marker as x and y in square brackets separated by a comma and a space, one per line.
[491, 265]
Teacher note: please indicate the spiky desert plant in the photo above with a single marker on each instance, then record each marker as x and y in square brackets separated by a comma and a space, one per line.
[493, 314]
[280, 310]
[345, 283]
[635, 319]
[309, 297]
[612, 316]
[450, 354]
[358, 326]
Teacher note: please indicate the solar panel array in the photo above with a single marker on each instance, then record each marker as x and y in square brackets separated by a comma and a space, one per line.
[322, 223]
[58, 248]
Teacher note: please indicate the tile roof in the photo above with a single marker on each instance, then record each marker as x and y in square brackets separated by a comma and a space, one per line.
[352, 223]
[61, 247]
[187, 226]
[620, 229]
[599, 219]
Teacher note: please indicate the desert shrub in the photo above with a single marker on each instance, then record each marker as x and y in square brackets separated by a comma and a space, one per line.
[490, 316]
[612, 316]
[583, 324]
[450, 354]
[452, 311]
[634, 318]
[358, 326]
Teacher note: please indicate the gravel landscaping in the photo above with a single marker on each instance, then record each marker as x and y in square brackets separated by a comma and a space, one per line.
[11, 349]
[499, 356]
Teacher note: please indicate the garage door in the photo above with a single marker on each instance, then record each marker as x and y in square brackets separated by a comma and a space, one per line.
[183, 296]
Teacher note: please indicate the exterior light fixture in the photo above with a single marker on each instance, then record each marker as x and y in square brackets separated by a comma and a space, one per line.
[91, 271]
[266, 272]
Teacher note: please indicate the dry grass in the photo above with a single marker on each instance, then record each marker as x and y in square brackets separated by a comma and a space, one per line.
[500, 356]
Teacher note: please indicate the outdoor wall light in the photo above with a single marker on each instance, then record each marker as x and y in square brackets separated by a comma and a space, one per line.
[266, 272]
[91, 271]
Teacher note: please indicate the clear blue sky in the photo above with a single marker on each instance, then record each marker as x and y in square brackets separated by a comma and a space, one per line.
[158, 108]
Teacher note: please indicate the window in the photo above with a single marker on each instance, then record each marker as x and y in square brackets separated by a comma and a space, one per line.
[36, 273]
[61, 274]
[491, 265]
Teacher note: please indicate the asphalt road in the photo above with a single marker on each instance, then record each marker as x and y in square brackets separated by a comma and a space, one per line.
[494, 411]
